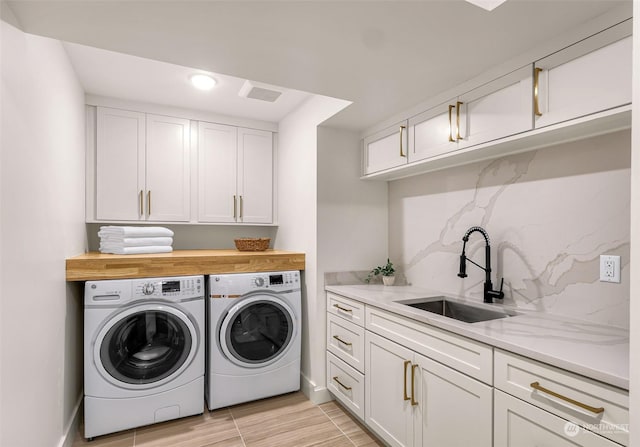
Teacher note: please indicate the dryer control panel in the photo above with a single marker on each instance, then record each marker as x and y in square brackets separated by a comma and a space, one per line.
[234, 285]
[276, 280]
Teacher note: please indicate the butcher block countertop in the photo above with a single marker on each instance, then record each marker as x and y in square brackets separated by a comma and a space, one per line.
[95, 266]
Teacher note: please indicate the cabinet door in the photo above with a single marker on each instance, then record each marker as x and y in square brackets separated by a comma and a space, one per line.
[120, 153]
[386, 149]
[519, 424]
[167, 169]
[218, 166]
[434, 132]
[452, 409]
[255, 176]
[590, 76]
[498, 109]
[388, 410]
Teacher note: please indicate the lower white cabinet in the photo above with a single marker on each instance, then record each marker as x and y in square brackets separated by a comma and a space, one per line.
[411, 400]
[519, 424]
[346, 384]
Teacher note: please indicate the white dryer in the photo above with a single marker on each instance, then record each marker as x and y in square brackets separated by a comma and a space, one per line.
[143, 352]
[253, 336]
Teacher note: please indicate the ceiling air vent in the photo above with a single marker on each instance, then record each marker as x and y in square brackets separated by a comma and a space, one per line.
[261, 92]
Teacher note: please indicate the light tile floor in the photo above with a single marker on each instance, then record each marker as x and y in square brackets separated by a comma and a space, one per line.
[290, 420]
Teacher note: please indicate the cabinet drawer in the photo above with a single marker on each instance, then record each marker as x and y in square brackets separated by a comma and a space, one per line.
[515, 375]
[346, 384]
[346, 308]
[346, 341]
[460, 353]
[519, 424]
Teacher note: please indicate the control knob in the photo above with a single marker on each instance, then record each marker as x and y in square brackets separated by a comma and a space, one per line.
[148, 288]
[259, 281]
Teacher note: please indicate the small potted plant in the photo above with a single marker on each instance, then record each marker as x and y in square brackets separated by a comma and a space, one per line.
[387, 271]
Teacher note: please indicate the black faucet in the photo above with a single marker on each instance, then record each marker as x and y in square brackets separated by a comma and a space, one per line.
[489, 293]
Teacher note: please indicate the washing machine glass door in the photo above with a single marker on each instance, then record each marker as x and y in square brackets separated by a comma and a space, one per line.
[146, 345]
[257, 331]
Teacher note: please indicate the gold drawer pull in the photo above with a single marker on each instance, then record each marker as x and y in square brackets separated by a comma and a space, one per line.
[458, 136]
[414, 402]
[406, 363]
[342, 341]
[536, 93]
[402, 128]
[348, 388]
[343, 309]
[451, 124]
[536, 386]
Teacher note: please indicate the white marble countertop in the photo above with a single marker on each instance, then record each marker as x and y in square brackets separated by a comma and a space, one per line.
[593, 350]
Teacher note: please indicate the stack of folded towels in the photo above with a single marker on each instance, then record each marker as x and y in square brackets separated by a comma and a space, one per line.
[135, 240]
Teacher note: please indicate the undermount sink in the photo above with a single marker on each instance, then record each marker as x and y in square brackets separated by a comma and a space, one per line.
[455, 309]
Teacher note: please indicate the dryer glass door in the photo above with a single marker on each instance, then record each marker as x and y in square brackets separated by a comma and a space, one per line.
[257, 332]
[145, 347]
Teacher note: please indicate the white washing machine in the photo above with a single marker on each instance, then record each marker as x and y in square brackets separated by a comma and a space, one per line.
[143, 352]
[253, 335]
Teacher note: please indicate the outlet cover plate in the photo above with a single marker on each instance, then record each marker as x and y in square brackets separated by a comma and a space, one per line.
[609, 268]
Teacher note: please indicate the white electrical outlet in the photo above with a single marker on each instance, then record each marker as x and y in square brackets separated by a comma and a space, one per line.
[609, 268]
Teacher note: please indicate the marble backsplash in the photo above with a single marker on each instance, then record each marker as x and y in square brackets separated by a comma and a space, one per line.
[550, 214]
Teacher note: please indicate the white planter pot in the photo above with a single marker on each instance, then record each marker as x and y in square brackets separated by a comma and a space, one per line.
[388, 280]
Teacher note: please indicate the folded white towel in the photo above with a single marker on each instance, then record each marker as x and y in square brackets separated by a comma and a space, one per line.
[135, 231]
[138, 250]
[134, 241]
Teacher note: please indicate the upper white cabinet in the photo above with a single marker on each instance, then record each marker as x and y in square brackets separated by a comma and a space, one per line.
[587, 77]
[235, 180]
[255, 176]
[386, 149]
[120, 154]
[434, 132]
[142, 167]
[495, 110]
[580, 90]
[168, 169]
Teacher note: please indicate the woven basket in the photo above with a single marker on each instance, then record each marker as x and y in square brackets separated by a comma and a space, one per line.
[252, 243]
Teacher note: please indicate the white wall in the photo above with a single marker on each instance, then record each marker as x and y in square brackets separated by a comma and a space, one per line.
[352, 222]
[297, 195]
[42, 223]
[550, 214]
[634, 313]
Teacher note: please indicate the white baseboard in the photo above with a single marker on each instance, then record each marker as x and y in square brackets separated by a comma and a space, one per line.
[316, 394]
[72, 427]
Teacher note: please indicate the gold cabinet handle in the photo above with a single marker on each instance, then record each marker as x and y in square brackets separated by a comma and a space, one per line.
[241, 207]
[149, 202]
[406, 363]
[235, 207]
[536, 386]
[343, 309]
[414, 402]
[451, 124]
[342, 341]
[458, 104]
[536, 85]
[402, 128]
[141, 196]
[348, 388]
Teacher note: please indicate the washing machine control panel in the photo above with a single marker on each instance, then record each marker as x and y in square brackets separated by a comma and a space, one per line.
[169, 287]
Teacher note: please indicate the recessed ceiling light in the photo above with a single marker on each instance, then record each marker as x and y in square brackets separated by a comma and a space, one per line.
[202, 81]
[489, 5]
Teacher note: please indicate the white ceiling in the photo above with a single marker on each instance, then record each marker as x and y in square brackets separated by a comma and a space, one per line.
[107, 73]
[385, 56]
